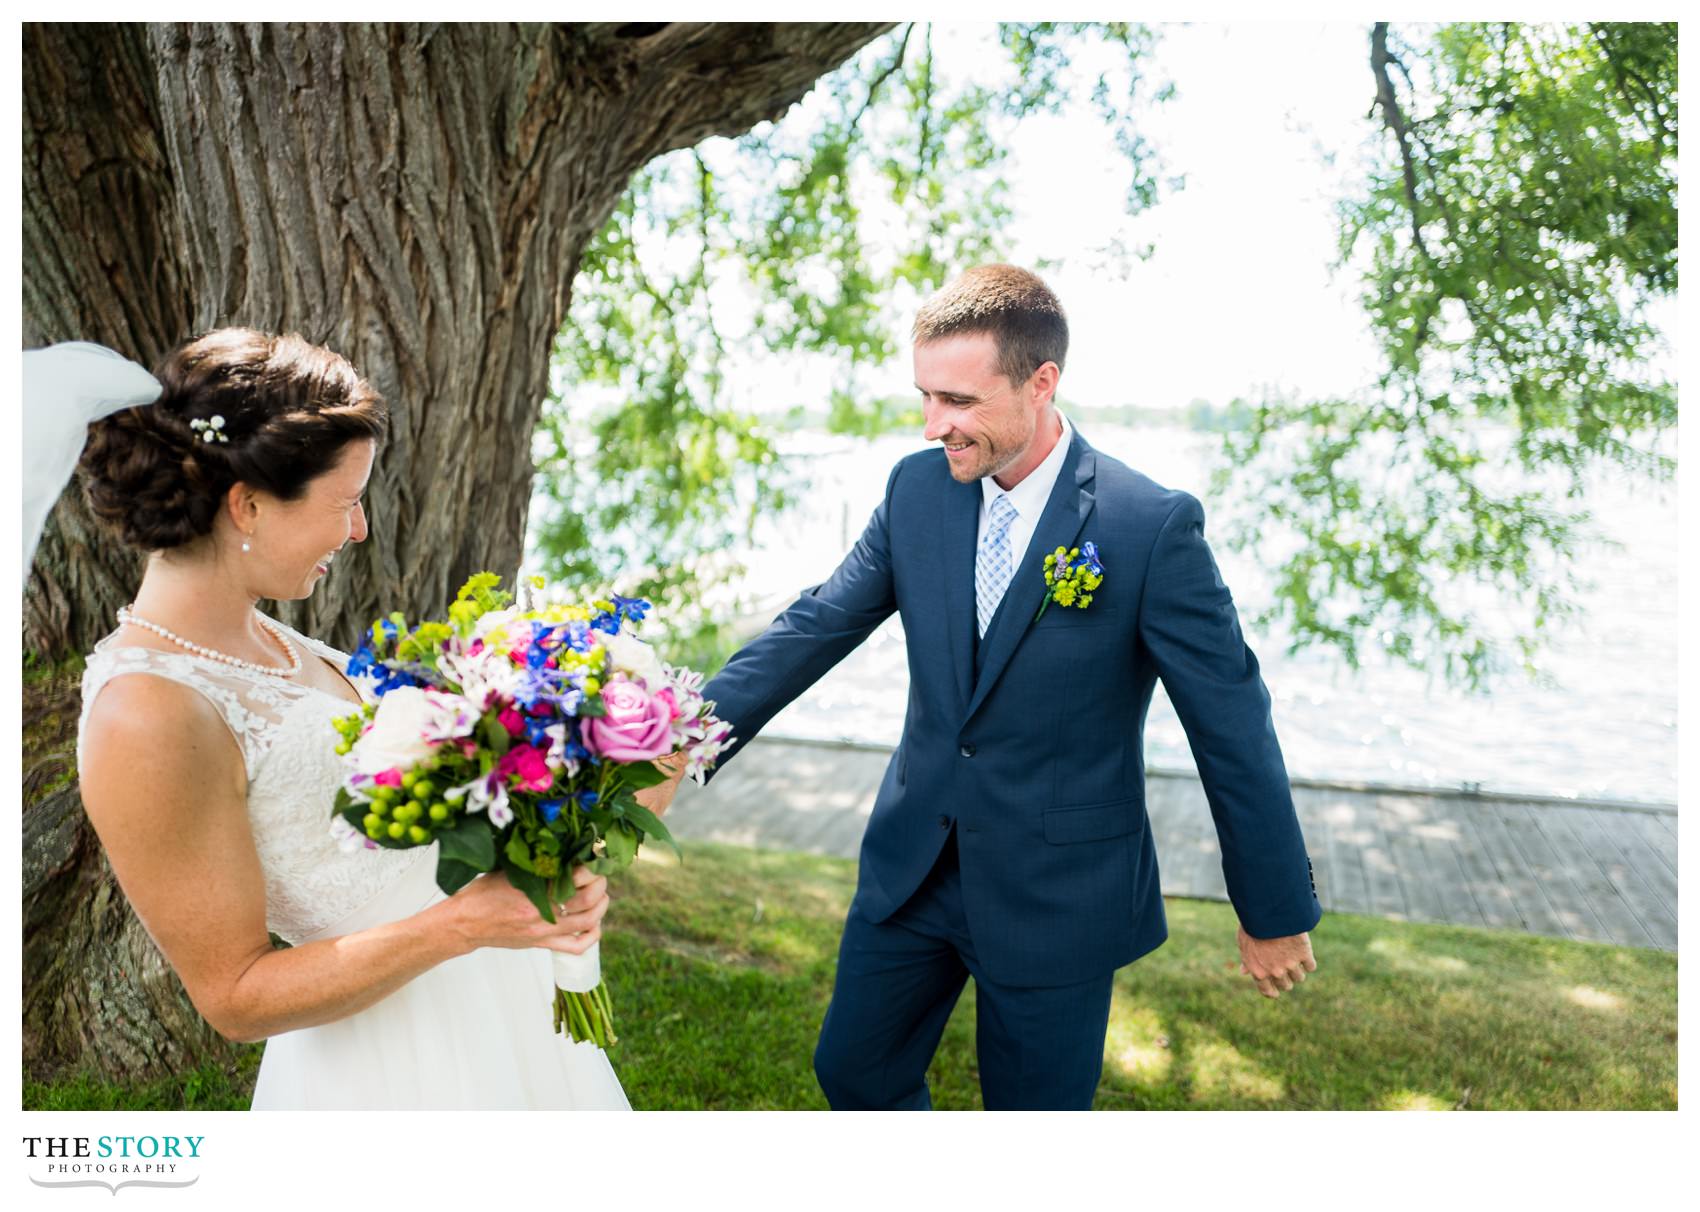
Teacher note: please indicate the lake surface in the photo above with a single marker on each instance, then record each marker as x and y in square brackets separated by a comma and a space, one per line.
[1605, 727]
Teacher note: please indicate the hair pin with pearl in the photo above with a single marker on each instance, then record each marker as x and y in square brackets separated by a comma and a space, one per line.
[210, 431]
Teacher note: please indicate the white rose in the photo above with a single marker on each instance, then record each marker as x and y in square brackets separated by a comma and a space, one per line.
[396, 739]
[630, 655]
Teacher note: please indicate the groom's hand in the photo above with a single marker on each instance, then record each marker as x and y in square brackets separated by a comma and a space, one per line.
[659, 797]
[1275, 965]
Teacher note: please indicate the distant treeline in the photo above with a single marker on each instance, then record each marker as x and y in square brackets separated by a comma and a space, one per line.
[870, 418]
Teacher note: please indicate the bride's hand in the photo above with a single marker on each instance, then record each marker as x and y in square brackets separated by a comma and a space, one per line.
[491, 912]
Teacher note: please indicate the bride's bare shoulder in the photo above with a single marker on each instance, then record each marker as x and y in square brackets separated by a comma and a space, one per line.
[141, 723]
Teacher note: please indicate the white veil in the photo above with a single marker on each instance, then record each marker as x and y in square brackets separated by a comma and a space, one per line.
[66, 387]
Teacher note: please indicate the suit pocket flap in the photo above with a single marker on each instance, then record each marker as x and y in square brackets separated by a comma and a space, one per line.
[1092, 823]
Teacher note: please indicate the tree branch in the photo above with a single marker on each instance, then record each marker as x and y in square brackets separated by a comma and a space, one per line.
[879, 80]
[1395, 119]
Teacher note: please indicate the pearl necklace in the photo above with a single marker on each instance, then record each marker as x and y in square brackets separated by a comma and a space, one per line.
[128, 616]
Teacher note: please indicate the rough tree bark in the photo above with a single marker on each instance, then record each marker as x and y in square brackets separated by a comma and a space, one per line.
[415, 197]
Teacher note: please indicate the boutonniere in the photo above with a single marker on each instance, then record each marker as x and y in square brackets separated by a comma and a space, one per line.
[1071, 574]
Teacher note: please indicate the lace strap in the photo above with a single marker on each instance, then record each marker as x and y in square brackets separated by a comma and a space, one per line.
[249, 711]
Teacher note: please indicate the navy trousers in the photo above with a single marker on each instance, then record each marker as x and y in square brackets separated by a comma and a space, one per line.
[898, 980]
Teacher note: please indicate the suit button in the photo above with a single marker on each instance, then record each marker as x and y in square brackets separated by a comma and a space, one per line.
[966, 750]
[944, 822]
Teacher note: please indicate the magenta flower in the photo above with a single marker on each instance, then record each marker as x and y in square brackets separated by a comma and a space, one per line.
[527, 764]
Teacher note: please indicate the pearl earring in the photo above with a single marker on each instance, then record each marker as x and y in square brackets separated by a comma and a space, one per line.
[245, 545]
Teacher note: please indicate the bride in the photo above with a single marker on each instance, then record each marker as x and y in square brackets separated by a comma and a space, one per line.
[208, 766]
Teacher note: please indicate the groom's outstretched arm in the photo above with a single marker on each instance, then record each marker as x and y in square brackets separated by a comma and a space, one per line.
[817, 631]
[1188, 624]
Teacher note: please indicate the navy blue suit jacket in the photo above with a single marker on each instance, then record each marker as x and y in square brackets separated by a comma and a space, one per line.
[1037, 759]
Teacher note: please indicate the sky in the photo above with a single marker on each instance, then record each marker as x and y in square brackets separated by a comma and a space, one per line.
[1237, 298]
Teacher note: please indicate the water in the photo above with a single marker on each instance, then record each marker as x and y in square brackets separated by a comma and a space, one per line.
[1606, 728]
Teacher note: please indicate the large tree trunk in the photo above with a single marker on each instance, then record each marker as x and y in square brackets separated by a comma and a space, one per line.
[415, 197]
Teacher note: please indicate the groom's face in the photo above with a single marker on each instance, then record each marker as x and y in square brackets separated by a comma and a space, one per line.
[987, 424]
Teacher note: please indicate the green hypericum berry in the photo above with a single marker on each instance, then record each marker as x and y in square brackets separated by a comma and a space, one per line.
[379, 808]
[385, 794]
[397, 829]
[424, 789]
[439, 812]
[374, 831]
[343, 746]
[373, 821]
[409, 781]
[418, 834]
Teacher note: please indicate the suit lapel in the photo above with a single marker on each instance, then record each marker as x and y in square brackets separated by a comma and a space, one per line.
[1059, 526]
[961, 526]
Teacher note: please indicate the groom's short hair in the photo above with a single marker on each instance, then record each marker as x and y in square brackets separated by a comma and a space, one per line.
[1009, 302]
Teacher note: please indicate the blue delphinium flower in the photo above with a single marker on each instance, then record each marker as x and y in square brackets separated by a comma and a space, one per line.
[631, 610]
[362, 660]
[537, 731]
[550, 809]
[626, 610]
[572, 746]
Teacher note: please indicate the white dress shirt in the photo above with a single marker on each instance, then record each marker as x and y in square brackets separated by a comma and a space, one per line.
[1029, 498]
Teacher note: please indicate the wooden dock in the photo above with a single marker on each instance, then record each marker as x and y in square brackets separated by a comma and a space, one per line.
[1569, 869]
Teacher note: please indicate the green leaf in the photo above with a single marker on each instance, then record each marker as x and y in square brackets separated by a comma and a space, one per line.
[452, 876]
[519, 854]
[652, 827]
[619, 848]
[641, 775]
[470, 842]
[536, 889]
[354, 814]
[496, 737]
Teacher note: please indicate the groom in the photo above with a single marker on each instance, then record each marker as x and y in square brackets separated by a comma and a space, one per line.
[1009, 840]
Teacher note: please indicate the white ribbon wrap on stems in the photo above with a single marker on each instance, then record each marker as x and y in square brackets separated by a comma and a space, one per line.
[578, 973]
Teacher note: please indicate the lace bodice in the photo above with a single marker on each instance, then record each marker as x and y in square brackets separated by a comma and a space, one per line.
[289, 752]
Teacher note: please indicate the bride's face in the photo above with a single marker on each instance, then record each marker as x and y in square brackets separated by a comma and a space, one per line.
[294, 542]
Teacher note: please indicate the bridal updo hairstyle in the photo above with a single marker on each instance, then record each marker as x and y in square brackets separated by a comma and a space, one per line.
[289, 408]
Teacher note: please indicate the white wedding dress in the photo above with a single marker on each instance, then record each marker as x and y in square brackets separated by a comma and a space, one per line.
[473, 1033]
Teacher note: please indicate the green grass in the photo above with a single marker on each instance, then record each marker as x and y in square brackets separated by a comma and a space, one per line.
[209, 1088]
[721, 969]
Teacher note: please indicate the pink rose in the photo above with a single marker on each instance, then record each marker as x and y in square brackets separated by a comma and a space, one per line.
[635, 728]
[512, 720]
[672, 704]
[387, 778]
[527, 764]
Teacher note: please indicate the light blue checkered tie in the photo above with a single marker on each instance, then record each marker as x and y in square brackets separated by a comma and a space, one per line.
[992, 564]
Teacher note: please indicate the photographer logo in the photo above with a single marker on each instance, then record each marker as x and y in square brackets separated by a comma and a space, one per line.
[113, 1162]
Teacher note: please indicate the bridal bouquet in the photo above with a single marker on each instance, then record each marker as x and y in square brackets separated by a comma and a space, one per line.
[516, 740]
